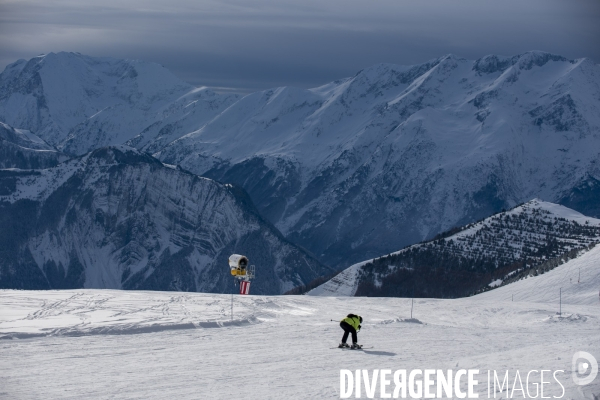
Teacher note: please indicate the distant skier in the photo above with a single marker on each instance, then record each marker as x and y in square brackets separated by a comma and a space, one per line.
[351, 325]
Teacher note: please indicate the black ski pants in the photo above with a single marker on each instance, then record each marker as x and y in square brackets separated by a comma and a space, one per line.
[348, 329]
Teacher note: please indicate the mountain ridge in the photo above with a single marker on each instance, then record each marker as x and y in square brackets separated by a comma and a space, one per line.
[22, 149]
[78, 103]
[474, 257]
[391, 135]
[117, 218]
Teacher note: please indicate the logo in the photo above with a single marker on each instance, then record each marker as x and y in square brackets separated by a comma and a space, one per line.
[584, 364]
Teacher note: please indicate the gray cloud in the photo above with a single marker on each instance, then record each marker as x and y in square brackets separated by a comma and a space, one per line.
[256, 44]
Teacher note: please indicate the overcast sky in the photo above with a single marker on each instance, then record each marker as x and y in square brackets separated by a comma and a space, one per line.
[256, 44]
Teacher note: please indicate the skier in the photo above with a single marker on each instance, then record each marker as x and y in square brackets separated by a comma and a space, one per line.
[351, 325]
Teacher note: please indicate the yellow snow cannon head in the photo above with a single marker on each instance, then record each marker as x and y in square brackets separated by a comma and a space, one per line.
[238, 264]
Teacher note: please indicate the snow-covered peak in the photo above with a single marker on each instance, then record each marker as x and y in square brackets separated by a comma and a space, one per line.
[556, 211]
[492, 63]
[530, 59]
[536, 208]
[78, 103]
[379, 71]
[381, 95]
[496, 63]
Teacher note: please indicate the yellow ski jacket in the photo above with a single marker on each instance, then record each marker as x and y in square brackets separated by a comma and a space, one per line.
[353, 322]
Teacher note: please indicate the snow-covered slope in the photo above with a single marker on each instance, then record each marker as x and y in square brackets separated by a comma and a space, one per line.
[396, 154]
[343, 284]
[575, 282]
[21, 149]
[156, 345]
[117, 218]
[80, 103]
[458, 263]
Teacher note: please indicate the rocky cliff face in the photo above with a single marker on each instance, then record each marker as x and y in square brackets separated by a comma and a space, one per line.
[116, 218]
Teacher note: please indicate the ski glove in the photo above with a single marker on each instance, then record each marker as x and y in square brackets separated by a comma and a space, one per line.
[359, 328]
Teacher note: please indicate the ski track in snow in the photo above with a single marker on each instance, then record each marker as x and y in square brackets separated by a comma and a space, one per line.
[153, 345]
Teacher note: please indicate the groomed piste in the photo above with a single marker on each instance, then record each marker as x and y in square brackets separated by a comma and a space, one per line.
[155, 345]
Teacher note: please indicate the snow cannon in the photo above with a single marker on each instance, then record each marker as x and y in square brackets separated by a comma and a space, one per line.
[241, 272]
[238, 265]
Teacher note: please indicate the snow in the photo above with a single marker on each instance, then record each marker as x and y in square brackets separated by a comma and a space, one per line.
[495, 283]
[125, 344]
[565, 212]
[555, 210]
[80, 103]
[39, 187]
[343, 284]
[579, 280]
[284, 121]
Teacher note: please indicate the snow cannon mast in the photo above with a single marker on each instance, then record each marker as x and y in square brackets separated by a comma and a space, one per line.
[240, 268]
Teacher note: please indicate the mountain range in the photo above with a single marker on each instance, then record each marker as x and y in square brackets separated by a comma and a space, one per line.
[355, 168]
[394, 155]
